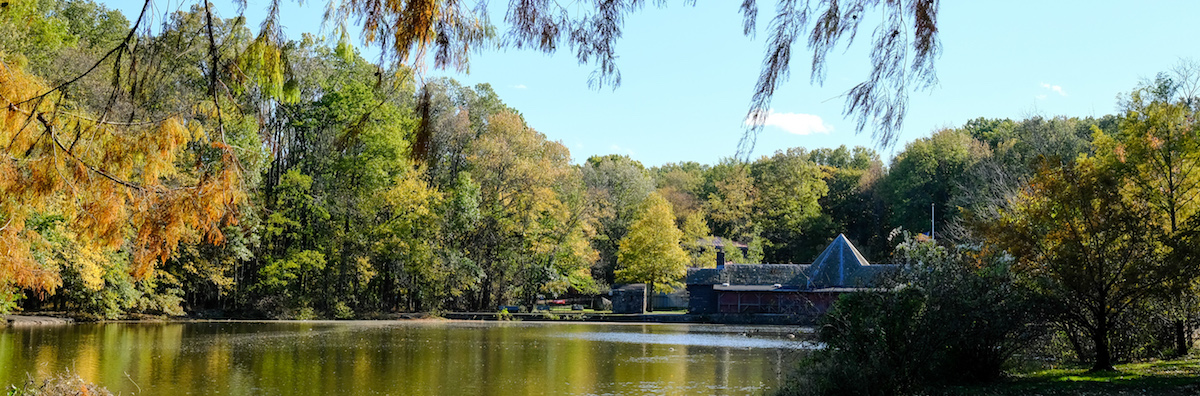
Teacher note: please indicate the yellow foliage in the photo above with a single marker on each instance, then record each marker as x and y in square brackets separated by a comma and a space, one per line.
[650, 252]
[107, 180]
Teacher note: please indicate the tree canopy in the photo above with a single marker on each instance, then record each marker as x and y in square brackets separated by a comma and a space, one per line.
[651, 253]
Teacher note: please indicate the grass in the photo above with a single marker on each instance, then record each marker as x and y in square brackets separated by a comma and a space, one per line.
[1162, 377]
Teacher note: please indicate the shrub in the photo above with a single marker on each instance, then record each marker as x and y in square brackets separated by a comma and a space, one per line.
[342, 311]
[948, 317]
[305, 313]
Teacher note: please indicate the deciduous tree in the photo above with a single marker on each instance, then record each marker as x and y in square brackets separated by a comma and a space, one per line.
[1085, 246]
[650, 253]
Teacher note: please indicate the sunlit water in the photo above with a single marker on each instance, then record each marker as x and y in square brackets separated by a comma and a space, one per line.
[406, 358]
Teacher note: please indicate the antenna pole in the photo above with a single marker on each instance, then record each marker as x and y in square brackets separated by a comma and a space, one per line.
[931, 224]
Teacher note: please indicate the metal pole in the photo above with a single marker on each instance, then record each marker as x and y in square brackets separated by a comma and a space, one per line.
[931, 223]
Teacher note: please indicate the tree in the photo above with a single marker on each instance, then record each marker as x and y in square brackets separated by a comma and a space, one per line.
[1156, 147]
[530, 205]
[616, 186]
[786, 208]
[681, 185]
[731, 199]
[1085, 247]
[696, 235]
[650, 253]
[929, 171]
[107, 179]
[854, 204]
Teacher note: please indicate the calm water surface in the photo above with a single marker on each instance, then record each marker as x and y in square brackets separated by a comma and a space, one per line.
[406, 358]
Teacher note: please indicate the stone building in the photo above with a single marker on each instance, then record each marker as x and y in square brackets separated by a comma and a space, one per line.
[788, 289]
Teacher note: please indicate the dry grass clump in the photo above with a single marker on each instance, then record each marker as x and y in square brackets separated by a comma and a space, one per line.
[65, 384]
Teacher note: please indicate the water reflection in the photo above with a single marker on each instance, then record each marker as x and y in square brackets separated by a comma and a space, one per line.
[402, 358]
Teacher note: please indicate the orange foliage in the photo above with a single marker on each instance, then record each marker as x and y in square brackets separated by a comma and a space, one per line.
[110, 181]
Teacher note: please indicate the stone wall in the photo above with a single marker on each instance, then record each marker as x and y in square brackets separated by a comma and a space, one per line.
[629, 299]
[702, 299]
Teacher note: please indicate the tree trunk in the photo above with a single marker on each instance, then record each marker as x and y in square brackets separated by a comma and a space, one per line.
[1100, 338]
[1181, 344]
[649, 296]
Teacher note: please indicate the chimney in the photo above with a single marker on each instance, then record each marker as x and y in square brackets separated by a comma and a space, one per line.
[720, 257]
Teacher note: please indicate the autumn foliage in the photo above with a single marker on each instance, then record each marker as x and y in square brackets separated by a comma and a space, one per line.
[152, 184]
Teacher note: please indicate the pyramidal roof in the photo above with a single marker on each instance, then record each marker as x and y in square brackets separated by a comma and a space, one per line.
[838, 266]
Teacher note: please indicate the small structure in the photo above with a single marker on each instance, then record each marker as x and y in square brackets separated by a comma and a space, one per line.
[629, 299]
[789, 289]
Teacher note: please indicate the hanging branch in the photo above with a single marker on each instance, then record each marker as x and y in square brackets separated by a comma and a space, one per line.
[119, 48]
[212, 73]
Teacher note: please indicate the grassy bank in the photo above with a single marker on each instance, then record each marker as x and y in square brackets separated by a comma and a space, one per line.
[1166, 377]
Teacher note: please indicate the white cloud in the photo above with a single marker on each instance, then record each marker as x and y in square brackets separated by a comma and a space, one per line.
[520, 86]
[620, 150]
[1040, 96]
[797, 123]
[1056, 88]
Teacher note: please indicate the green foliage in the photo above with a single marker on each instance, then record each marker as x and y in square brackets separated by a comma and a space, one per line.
[786, 208]
[927, 172]
[731, 199]
[342, 311]
[369, 194]
[1089, 250]
[616, 187]
[10, 297]
[951, 316]
[32, 34]
[695, 237]
[305, 313]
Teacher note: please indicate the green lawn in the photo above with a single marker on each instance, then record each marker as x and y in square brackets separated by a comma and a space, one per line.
[1170, 377]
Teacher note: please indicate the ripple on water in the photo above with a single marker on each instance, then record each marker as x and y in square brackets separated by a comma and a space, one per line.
[708, 340]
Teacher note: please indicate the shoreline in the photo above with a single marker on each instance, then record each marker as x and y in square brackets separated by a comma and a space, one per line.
[33, 319]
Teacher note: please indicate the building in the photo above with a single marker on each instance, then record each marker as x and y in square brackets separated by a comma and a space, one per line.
[787, 289]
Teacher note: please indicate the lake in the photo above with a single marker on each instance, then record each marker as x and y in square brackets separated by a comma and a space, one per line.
[428, 357]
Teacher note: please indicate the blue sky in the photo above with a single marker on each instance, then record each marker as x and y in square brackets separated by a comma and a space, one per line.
[688, 73]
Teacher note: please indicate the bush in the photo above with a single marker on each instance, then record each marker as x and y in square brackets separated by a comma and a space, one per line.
[342, 311]
[305, 313]
[947, 317]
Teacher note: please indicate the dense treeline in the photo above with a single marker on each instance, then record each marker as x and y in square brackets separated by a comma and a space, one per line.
[347, 188]
[210, 171]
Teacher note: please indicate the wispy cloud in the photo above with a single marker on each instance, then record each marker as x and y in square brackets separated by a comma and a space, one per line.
[1056, 88]
[620, 150]
[520, 86]
[796, 123]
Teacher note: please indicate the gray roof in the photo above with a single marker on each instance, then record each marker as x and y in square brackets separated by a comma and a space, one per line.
[749, 274]
[840, 265]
